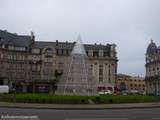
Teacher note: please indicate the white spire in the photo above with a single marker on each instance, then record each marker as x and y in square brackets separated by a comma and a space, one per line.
[78, 47]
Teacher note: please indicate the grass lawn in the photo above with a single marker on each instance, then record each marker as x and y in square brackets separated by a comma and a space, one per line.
[46, 98]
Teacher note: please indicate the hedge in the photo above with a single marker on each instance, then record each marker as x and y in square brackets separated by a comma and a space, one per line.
[46, 98]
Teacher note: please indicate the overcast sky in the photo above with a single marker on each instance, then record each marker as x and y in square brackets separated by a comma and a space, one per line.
[130, 24]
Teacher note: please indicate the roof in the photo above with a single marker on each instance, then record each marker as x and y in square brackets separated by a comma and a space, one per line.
[70, 45]
[122, 75]
[129, 76]
[24, 40]
[14, 39]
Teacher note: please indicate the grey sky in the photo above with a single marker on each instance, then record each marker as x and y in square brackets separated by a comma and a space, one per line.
[128, 23]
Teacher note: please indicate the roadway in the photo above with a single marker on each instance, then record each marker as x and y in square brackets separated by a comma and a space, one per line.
[52, 114]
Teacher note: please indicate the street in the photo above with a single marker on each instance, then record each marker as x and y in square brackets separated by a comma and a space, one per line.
[52, 114]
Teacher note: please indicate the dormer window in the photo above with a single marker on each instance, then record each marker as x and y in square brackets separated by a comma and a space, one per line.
[37, 51]
[3, 45]
[20, 48]
[48, 52]
[11, 47]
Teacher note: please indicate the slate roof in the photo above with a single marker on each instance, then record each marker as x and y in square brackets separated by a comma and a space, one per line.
[17, 40]
[69, 45]
[122, 75]
[24, 41]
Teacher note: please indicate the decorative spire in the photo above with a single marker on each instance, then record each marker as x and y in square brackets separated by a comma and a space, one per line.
[78, 47]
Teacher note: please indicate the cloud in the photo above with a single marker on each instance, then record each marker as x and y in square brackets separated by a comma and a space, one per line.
[128, 23]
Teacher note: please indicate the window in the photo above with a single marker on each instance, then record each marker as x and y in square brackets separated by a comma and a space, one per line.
[91, 68]
[87, 53]
[101, 70]
[67, 52]
[109, 79]
[33, 67]
[60, 52]
[153, 69]
[106, 54]
[90, 53]
[100, 73]
[48, 53]
[56, 52]
[101, 54]
[64, 52]
[95, 63]
[3, 46]
[95, 54]
[149, 70]
[1, 82]
[36, 51]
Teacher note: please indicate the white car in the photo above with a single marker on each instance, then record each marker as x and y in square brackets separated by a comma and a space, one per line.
[101, 92]
[4, 89]
[107, 92]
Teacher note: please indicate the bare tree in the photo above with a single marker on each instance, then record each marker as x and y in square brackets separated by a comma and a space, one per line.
[54, 80]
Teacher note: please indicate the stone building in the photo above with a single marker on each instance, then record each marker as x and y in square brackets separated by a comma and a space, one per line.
[153, 69]
[131, 83]
[28, 65]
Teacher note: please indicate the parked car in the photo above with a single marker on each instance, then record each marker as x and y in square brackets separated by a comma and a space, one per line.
[101, 92]
[124, 92]
[106, 92]
[4, 89]
[134, 91]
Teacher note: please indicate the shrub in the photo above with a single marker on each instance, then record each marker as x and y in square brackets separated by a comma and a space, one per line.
[46, 98]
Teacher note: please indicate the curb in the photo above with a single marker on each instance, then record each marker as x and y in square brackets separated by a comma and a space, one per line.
[80, 107]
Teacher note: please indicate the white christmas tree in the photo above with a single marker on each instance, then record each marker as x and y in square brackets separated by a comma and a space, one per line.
[78, 79]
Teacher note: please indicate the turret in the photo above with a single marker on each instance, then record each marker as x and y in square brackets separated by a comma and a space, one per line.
[152, 48]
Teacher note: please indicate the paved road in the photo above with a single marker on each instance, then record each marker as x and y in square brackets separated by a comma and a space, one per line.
[51, 114]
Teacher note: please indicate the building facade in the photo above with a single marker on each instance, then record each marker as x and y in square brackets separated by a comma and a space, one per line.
[153, 69]
[28, 65]
[131, 83]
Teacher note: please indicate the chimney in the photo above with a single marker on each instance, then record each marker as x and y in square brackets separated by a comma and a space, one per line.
[32, 41]
[56, 42]
[32, 36]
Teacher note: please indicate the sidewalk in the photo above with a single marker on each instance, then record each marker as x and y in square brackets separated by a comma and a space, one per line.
[80, 106]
